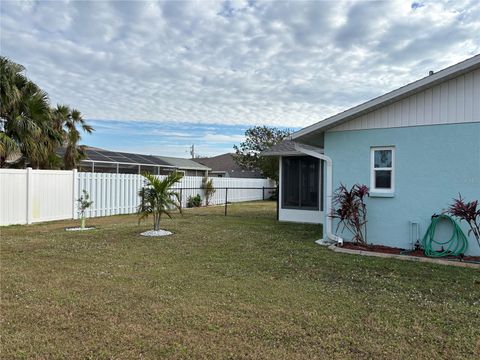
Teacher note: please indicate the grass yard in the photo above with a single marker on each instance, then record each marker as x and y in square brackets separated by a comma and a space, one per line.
[242, 286]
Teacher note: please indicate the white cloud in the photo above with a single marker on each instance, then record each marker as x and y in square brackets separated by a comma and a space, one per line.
[234, 62]
[221, 138]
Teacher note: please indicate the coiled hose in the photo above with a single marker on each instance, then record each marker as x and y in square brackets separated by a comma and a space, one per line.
[455, 246]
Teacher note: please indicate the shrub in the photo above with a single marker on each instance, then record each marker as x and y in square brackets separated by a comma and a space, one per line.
[469, 212]
[194, 201]
[84, 203]
[350, 209]
[158, 198]
[207, 186]
[274, 194]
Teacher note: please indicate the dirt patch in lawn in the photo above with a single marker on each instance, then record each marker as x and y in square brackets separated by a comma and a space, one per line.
[398, 251]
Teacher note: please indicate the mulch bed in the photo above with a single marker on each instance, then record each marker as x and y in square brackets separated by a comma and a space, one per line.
[398, 251]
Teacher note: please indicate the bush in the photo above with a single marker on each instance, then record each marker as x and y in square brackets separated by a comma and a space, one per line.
[194, 201]
[468, 212]
[83, 204]
[273, 194]
[351, 211]
[208, 188]
[158, 198]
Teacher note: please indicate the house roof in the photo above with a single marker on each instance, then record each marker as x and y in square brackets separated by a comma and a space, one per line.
[183, 163]
[225, 163]
[285, 148]
[105, 156]
[393, 96]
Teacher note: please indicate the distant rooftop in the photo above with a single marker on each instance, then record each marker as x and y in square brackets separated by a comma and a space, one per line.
[225, 164]
[183, 163]
[103, 157]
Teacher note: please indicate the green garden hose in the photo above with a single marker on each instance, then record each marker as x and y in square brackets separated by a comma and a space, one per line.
[455, 246]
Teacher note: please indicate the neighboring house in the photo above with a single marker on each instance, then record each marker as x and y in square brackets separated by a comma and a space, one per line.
[225, 166]
[100, 160]
[416, 147]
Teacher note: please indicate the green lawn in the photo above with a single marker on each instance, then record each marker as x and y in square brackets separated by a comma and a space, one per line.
[242, 286]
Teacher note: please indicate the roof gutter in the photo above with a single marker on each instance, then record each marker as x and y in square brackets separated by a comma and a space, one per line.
[329, 191]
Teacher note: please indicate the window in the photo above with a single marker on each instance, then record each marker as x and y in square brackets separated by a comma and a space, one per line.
[300, 182]
[382, 162]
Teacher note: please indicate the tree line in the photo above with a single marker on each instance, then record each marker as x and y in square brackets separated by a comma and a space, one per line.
[32, 132]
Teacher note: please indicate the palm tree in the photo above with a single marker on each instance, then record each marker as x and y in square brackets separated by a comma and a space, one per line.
[66, 121]
[30, 129]
[12, 81]
[8, 148]
[158, 198]
[26, 128]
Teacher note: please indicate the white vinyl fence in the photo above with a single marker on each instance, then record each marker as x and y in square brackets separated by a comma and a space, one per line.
[118, 193]
[28, 196]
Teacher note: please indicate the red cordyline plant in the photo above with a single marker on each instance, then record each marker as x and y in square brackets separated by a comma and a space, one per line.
[469, 212]
[350, 209]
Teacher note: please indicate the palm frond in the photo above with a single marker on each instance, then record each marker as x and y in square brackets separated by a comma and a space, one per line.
[157, 198]
[87, 128]
[8, 147]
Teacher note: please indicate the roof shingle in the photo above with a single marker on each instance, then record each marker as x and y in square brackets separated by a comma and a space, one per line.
[226, 163]
[286, 147]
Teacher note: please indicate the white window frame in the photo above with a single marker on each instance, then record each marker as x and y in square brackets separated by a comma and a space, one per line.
[373, 169]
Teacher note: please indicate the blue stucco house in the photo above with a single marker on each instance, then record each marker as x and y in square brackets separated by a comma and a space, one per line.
[416, 148]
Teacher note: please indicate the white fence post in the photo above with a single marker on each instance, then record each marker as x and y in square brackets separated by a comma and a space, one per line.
[75, 194]
[29, 195]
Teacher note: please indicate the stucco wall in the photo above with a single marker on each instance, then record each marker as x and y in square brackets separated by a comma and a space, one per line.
[433, 164]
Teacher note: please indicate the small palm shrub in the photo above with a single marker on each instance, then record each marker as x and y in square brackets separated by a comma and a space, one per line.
[274, 194]
[351, 211]
[84, 203]
[194, 201]
[469, 212]
[158, 198]
[208, 188]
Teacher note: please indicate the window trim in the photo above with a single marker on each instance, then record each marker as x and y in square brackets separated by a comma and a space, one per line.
[319, 191]
[373, 189]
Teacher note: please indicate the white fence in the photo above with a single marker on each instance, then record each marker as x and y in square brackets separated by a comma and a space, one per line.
[28, 196]
[114, 194]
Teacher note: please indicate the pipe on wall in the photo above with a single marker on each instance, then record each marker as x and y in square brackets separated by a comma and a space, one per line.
[329, 190]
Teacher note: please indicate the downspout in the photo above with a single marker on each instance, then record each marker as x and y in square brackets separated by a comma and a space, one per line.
[329, 190]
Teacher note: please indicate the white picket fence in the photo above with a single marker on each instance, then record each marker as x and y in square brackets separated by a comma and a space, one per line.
[29, 196]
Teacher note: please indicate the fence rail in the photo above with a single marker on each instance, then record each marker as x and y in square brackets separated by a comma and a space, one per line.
[266, 193]
[28, 196]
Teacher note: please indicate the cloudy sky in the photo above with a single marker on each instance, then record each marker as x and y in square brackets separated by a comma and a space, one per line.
[155, 77]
